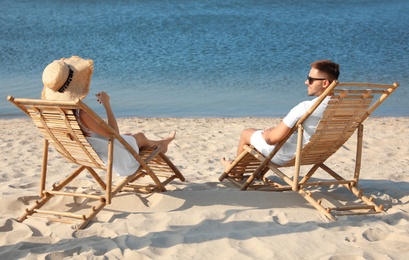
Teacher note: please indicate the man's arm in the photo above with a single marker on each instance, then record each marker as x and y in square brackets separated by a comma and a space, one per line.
[276, 134]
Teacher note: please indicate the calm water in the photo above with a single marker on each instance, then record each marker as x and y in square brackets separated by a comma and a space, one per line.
[209, 58]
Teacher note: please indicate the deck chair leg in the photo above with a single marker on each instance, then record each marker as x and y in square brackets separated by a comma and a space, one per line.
[158, 161]
[232, 165]
[67, 180]
[358, 153]
[91, 216]
[263, 173]
[96, 177]
[366, 200]
[135, 177]
[45, 196]
[352, 187]
[310, 173]
[44, 167]
[308, 197]
[254, 175]
[172, 166]
[223, 176]
[108, 181]
[125, 181]
[250, 180]
[297, 166]
[38, 204]
[155, 179]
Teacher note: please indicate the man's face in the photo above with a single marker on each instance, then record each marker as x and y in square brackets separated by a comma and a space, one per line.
[316, 82]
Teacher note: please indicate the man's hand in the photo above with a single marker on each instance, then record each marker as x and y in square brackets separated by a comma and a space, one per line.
[274, 135]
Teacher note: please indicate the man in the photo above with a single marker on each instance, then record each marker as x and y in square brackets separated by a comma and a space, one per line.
[321, 75]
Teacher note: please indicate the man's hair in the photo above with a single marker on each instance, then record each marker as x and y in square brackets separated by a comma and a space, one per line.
[328, 67]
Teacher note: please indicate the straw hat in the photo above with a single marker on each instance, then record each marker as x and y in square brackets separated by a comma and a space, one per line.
[67, 79]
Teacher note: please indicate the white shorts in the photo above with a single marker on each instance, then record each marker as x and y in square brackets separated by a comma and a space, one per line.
[262, 146]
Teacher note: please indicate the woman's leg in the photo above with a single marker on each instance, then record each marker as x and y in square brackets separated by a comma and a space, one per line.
[144, 142]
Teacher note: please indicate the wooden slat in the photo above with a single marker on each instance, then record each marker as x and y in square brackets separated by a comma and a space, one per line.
[365, 85]
[59, 213]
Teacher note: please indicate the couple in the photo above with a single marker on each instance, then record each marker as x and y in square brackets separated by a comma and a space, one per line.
[69, 79]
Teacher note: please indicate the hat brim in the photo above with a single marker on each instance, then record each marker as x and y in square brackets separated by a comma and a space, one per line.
[80, 83]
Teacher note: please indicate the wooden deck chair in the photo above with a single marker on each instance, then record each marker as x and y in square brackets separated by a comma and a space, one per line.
[57, 123]
[349, 106]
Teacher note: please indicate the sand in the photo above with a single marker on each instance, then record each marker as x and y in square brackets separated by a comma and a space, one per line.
[203, 218]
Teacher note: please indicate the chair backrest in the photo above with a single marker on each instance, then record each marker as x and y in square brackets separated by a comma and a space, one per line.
[58, 124]
[349, 106]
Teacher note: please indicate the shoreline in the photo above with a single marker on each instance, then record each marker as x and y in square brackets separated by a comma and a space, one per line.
[202, 217]
[23, 116]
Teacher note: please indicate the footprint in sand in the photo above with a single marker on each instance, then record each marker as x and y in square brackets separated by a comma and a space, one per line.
[280, 218]
[373, 235]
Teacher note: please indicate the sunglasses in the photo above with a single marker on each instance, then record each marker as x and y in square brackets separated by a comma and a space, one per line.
[311, 80]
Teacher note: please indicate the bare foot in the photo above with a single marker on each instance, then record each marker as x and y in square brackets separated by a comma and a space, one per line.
[165, 142]
[226, 163]
[171, 136]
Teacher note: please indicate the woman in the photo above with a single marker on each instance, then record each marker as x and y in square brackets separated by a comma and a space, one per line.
[69, 79]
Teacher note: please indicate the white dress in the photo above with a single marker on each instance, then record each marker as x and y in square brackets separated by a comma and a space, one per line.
[124, 163]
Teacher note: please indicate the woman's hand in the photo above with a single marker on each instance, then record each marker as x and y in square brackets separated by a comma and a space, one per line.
[103, 98]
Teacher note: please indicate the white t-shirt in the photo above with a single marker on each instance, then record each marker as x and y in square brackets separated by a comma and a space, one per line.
[288, 150]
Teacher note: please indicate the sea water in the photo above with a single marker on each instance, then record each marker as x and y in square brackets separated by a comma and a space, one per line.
[207, 58]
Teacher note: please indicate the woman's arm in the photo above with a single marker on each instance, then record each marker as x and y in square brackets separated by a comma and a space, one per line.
[103, 98]
[276, 134]
[93, 125]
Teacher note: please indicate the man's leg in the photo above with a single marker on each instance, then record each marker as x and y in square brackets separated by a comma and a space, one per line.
[245, 139]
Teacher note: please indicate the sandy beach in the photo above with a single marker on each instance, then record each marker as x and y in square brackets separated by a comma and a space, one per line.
[203, 218]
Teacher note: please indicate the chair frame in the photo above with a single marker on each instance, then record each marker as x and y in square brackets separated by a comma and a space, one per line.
[57, 123]
[351, 103]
